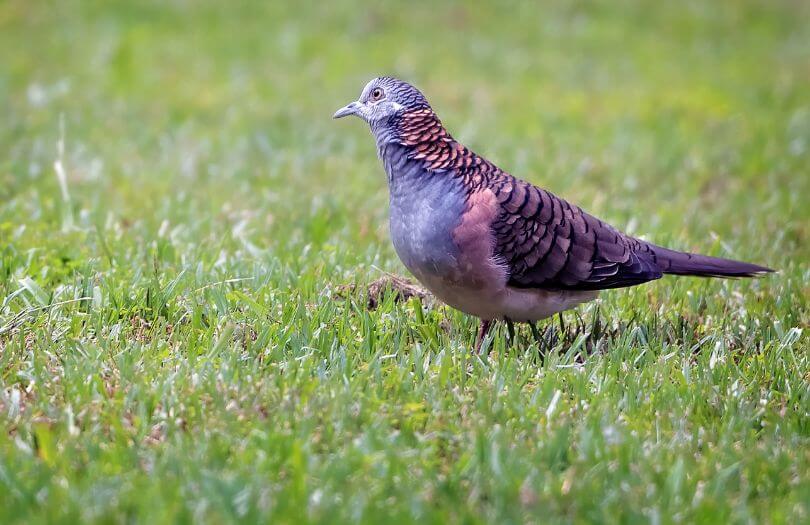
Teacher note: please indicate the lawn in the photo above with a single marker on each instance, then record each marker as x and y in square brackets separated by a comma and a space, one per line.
[186, 240]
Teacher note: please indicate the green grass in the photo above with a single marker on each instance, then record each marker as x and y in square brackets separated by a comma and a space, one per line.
[176, 342]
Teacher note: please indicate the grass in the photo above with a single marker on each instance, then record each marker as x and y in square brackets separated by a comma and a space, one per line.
[176, 339]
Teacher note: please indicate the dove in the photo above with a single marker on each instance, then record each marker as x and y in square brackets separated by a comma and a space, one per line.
[491, 245]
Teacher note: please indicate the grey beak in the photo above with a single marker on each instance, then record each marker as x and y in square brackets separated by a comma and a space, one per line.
[345, 111]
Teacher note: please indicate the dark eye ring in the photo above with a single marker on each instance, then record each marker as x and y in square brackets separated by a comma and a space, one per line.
[376, 94]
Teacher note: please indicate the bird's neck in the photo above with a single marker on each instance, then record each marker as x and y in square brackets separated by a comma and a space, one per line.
[420, 126]
[411, 128]
[420, 134]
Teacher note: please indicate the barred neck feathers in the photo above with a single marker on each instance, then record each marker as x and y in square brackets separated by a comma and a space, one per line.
[428, 142]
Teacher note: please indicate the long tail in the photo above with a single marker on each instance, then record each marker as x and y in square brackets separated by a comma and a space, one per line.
[681, 263]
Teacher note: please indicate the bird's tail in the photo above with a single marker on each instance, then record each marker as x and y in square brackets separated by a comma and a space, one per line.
[681, 263]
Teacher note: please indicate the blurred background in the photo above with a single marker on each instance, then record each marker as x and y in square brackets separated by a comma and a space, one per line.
[180, 217]
[673, 121]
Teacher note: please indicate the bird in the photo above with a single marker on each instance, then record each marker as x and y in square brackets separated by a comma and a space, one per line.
[492, 245]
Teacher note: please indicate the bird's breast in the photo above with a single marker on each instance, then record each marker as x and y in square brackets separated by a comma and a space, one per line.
[440, 229]
[425, 209]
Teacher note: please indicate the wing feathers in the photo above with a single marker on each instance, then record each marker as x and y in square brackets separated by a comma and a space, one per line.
[548, 243]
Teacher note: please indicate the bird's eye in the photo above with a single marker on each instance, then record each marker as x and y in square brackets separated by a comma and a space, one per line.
[376, 94]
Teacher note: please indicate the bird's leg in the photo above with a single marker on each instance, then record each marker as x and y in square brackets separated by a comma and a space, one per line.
[538, 339]
[483, 328]
[535, 333]
[562, 326]
[510, 326]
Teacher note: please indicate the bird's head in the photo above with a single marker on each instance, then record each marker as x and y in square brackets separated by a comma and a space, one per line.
[382, 99]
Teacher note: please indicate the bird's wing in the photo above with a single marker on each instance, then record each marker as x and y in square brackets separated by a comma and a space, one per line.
[545, 242]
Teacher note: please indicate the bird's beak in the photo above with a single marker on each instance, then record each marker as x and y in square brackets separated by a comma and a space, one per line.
[345, 111]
